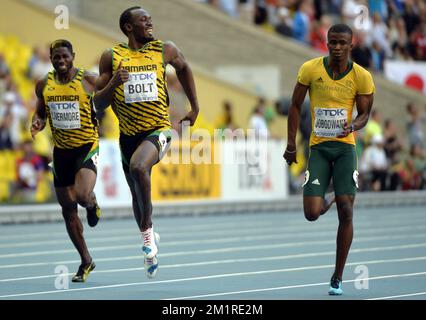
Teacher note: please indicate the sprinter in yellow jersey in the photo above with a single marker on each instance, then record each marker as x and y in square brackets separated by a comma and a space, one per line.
[132, 80]
[335, 84]
[64, 98]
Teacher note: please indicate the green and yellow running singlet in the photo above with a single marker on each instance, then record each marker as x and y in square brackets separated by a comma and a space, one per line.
[332, 100]
[69, 109]
[142, 103]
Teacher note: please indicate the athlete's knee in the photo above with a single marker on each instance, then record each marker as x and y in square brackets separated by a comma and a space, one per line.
[311, 215]
[84, 199]
[138, 170]
[345, 211]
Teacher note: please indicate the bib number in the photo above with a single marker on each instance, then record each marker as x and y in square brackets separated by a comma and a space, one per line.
[65, 115]
[329, 121]
[141, 87]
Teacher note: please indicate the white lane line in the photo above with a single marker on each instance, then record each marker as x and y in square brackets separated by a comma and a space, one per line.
[288, 224]
[251, 237]
[201, 252]
[217, 276]
[400, 296]
[295, 286]
[210, 251]
[228, 261]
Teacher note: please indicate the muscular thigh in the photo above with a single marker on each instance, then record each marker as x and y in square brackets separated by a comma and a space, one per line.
[345, 173]
[317, 174]
[66, 197]
[66, 163]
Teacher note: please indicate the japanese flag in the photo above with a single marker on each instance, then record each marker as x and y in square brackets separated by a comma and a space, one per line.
[408, 73]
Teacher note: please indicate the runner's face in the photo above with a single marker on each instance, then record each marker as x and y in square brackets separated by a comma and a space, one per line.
[142, 25]
[339, 46]
[62, 59]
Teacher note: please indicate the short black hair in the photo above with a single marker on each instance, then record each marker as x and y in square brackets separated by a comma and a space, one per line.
[339, 28]
[126, 16]
[59, 44]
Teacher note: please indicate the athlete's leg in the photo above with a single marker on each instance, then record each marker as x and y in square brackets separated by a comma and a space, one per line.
[344, 233]
[317, 179]
[315, 206]
[137, 211]
[85, 181]
[143, 159]
[67, 201]
[345, 180]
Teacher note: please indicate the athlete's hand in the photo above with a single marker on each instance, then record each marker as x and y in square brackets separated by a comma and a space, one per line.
[36, 126]
[120, 76]
[290, 155]
[191, 116]
[347, 129]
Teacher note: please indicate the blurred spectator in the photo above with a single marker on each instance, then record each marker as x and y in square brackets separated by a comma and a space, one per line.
[378, 56]
[374, 164]
[419, 161]
[379, 35]
[29, 172]
[284, 25]
[373, 127]
[4, 69]
[411, 179]
[414, 127]
[260, 12]
[5, 123]
[410, 16]
[379, 7]
[393, 145]
[40, 63]
[226, 119]
[230, 7]
[301, 21]
[14, 117]
[258, 122]
[361, 54]
[319, 34]
[418, 42]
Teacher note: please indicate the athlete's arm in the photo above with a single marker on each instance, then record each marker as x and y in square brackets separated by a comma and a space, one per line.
[38, 121]
[175, 57]
[364, 104]
[107, 81]
[299, 94]
[89, 81]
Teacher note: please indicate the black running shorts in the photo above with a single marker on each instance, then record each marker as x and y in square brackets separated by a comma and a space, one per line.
[67, 162]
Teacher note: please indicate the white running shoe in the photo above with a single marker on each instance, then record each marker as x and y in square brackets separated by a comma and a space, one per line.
[151, 267]
[149, 246]
[151, 264]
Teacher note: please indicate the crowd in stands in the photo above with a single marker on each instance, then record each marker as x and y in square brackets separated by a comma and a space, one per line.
[387, 162]
[383, 29]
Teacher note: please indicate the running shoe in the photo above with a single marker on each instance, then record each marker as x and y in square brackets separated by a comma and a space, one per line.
[149, 246]
[151, 267]
[93, 215]
[335, 287]
[151, 264]
[83, 272]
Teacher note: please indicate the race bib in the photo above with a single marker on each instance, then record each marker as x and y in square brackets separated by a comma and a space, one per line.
[329, 121]
[65, 115]
[141, 87]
